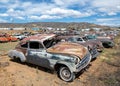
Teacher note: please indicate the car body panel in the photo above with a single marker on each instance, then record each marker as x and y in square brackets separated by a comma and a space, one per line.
[68, 48]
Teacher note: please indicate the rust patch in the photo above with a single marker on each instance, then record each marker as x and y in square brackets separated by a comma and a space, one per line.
[40, 37]
[69, 48]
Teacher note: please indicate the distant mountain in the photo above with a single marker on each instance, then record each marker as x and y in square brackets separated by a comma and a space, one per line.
[52, 24]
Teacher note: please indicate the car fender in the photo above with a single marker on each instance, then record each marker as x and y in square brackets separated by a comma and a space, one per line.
[17, 54]
[71, 66]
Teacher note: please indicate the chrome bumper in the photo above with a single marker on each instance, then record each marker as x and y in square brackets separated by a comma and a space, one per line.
[84, 62]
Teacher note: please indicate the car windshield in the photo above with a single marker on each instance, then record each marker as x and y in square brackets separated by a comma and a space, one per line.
[50, 42]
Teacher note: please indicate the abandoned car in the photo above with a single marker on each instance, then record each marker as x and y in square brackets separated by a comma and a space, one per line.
[45, 50]
[92, 47]
[106, 42]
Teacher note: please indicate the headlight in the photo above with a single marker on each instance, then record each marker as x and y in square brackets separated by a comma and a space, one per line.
[75, 59]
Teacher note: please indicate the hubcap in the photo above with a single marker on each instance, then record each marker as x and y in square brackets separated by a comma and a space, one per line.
[66, 73]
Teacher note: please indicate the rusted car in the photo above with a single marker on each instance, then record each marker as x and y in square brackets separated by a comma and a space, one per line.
[106, 42]
[3, 39]
[92, 47]
[45, 50]
[10, 38]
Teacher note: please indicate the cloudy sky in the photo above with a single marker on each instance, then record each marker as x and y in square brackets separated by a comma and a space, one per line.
[104, 12]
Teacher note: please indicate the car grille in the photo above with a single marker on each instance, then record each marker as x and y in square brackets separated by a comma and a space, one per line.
[84, 62]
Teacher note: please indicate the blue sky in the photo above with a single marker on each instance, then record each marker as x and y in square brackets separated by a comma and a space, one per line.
[103, 12]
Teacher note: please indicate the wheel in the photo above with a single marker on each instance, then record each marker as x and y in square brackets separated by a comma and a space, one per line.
[66, 75]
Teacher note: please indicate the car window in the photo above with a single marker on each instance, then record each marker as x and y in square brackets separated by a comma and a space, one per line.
[24, 45]
[50, 42]
[79, 39]
[35, 45]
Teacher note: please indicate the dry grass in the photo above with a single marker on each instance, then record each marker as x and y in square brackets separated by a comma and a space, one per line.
[5, 47]
[111, 57]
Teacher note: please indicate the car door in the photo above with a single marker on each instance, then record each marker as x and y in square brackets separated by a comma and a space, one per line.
[36, 54]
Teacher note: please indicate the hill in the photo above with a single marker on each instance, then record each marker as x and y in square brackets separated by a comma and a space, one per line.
[53, 24]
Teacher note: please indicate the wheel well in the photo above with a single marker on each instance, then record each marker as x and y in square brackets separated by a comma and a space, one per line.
[57, 66]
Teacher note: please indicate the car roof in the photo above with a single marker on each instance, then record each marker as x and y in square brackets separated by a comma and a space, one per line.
[39, 37]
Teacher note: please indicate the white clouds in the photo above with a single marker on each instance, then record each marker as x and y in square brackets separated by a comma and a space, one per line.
[21, 18]
[4, 15]
[39, 11]
[59, 9]
[110, 7]
[68, 13]
[67, 3]
[59, 13]
[108, 21]
[4, 1]
[2, 20]
[44, 17]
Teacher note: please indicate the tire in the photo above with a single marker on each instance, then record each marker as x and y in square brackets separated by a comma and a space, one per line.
[66, 75]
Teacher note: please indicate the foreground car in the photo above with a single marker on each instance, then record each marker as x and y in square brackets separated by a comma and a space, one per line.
[45, 50]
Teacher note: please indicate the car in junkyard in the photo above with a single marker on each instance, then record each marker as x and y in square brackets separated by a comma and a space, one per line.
[4, 37]
[106, 42]
[92, 47]
[45, 50]
[96, 42]
[19, 36]
[10, 38]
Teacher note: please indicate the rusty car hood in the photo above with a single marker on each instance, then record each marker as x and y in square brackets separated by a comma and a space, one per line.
[69, 49]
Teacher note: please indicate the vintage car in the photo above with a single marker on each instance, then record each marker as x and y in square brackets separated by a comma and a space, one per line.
[19, 36]
[45, 50]
[6, 37]
[106, 42]
[92, 47]
[3, 39]
[11, 38]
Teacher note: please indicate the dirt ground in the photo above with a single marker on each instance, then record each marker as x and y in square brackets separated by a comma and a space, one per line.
[104, 71]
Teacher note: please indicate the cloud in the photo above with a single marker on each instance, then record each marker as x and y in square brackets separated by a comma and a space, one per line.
[21, 18]
[2, 20]
[67, 3]
[44, 17]
[32, 10]
[110, 7]
[3, 15]
[108, 21]
[4, 1]
[68, 13]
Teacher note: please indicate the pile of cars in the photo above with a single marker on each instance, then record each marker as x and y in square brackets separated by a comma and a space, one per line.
[67, 55]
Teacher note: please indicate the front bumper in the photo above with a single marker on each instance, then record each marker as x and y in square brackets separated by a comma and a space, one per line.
[83, 63]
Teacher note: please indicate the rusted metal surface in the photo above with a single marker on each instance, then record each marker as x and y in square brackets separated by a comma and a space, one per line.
[68, 48]
[39, 37]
